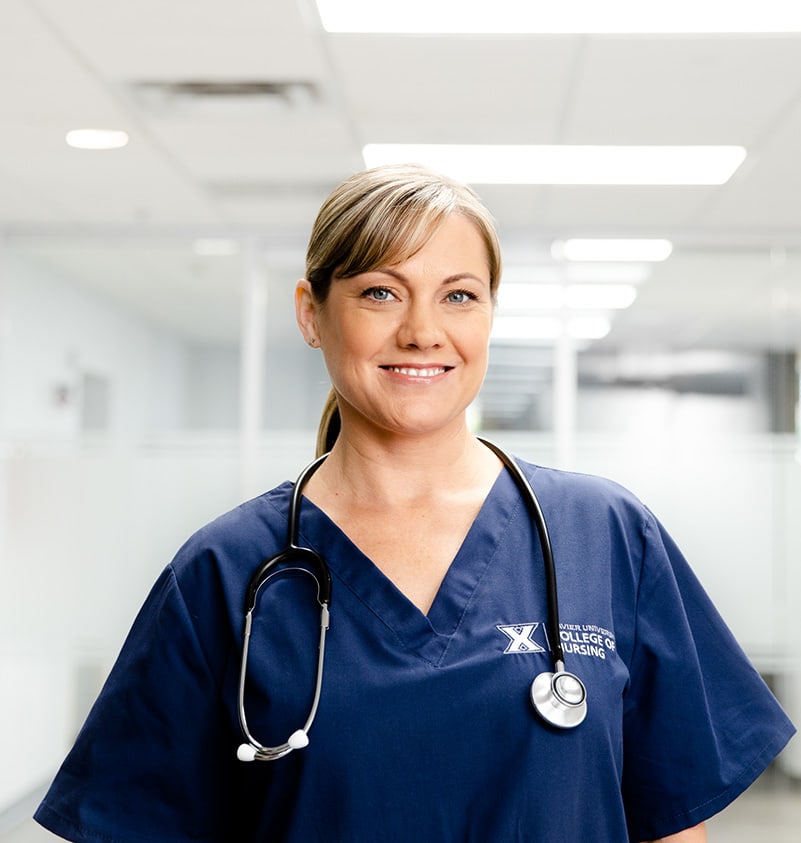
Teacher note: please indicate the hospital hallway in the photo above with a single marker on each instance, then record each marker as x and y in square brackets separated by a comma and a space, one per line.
[770, 810]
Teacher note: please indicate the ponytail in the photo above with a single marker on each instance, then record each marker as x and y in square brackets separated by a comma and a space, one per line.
[330, 425]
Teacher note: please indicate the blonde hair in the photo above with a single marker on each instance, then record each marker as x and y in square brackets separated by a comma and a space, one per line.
[380, 217]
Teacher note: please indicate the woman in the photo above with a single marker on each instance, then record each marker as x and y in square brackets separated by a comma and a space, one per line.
[425, 730]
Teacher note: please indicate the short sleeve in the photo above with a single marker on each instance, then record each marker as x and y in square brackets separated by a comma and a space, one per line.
[700, 724]
[139, 770]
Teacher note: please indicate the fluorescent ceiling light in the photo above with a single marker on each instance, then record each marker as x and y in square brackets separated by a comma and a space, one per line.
[606, 273]
[547, 164]
[586, 272]
[609, 249]
[97, 138]
[531, 297]
[600, 296]
[531, 273]
[566, 16]
[528, 328]
[588, 327]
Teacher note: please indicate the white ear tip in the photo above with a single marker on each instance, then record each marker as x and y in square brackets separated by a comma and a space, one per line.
[299, 739]
[246, 752]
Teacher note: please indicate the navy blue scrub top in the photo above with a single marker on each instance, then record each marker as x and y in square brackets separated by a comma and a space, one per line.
[425, 729]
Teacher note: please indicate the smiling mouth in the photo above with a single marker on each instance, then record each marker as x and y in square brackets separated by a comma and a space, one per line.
[417, 372]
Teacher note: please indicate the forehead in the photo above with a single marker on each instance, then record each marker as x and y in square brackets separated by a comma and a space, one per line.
[456, 241]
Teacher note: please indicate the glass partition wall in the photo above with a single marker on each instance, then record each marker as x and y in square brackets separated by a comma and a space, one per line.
[148, 385]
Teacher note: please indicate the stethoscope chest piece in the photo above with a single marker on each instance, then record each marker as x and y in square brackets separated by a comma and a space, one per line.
[560, 698]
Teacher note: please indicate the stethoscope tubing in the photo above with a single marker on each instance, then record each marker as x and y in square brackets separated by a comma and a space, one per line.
[292, 549]
[551, 588]
[253, 750]
[563, 710]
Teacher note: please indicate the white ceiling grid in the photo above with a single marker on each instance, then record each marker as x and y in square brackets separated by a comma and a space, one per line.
[258, 166]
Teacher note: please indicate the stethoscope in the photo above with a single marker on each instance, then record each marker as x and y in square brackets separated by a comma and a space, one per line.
[558, 696]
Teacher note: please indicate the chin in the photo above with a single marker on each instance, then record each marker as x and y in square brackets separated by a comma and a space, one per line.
[421, 428]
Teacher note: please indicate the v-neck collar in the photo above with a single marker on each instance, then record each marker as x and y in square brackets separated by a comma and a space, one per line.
[428, 635]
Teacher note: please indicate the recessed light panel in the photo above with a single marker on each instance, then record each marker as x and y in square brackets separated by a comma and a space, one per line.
[533, 297]
[97, 138]
[549, 328]
[564, 17]
[522, 328]
[547, 164]
[600, 296]
[517, 297]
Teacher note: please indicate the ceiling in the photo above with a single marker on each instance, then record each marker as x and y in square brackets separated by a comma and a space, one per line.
[243, 115]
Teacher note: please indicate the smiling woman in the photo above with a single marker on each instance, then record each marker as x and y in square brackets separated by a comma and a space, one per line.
[406, 344]
[379, 219]
[434, 588]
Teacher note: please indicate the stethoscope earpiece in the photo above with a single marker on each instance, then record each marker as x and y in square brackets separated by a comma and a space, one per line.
[246, 752]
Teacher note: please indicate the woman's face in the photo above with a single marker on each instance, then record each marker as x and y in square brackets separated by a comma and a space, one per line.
[406, 345]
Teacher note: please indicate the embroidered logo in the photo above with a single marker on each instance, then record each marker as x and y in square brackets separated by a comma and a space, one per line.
[577, 639]
[521, 638]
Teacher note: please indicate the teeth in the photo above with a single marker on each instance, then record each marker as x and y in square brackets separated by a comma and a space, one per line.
[418, 373]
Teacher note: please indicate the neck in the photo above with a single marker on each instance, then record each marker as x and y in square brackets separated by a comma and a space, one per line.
[404, 469]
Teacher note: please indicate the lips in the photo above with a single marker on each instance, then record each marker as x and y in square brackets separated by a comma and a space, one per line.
[418, 371]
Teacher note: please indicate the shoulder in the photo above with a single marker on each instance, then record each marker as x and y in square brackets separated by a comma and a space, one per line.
[221, 555]
[255, 522]
[202, 590]
[598, 528]
[585, 494]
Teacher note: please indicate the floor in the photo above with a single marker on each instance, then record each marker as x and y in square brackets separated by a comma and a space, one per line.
[769, 811]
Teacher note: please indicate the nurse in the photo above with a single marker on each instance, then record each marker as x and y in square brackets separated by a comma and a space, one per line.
[438, 615]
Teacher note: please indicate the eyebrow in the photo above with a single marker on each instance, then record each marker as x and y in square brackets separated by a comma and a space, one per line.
[450, 279]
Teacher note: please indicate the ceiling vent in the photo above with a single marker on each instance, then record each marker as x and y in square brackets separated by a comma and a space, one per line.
[215, 98]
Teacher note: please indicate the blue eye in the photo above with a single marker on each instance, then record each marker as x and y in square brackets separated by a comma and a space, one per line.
[461, 296]
[377, 294]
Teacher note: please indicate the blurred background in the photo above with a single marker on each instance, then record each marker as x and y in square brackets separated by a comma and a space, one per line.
[151, 374]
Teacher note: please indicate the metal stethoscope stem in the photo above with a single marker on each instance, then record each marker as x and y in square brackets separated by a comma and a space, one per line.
[253, 750]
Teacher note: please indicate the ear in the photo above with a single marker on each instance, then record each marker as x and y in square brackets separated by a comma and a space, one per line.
[306, 312]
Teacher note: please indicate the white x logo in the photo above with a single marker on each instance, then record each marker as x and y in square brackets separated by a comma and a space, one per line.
[520, 638]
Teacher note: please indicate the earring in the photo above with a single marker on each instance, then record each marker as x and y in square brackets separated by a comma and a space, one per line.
[312, 341]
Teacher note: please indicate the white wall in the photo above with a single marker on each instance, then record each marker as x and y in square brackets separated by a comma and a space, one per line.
[212, 388]
[53, 332]
[295, 386]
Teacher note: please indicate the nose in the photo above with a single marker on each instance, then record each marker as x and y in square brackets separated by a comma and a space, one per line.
[420, 327]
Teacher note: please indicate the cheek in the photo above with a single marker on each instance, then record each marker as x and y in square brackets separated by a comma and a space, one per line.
[357, 336]
[348, 349]
[475, 341]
